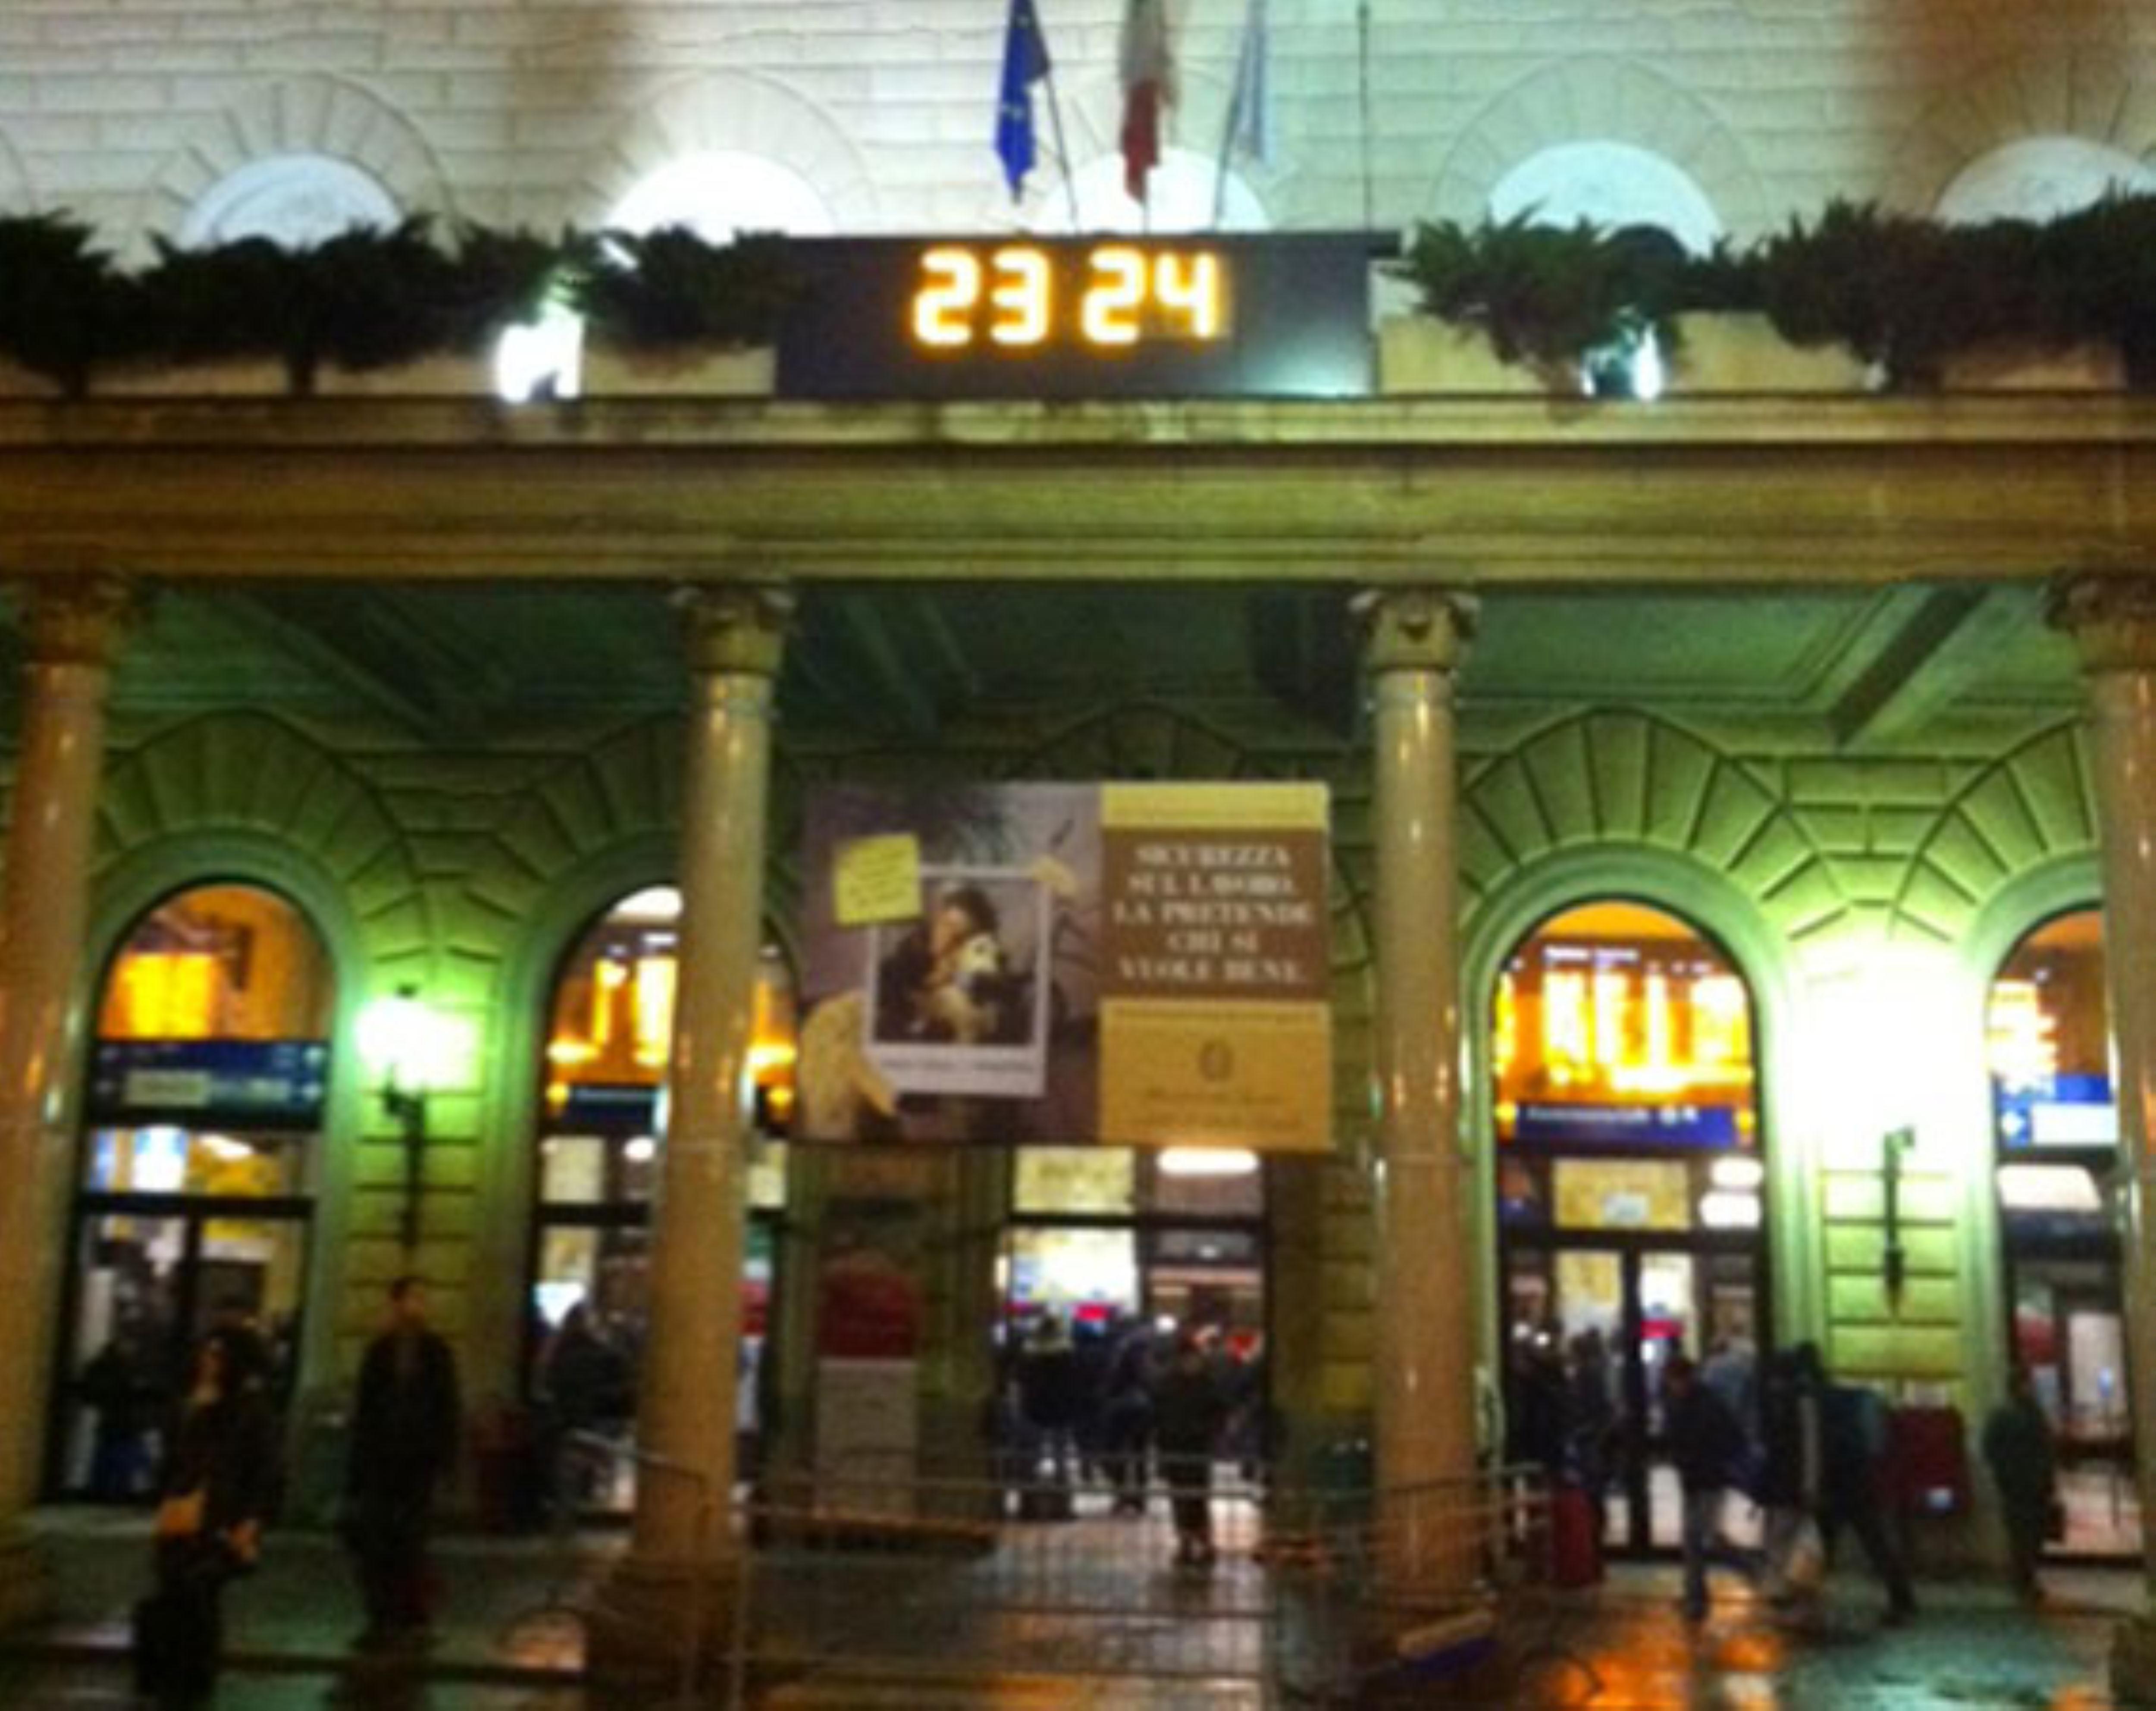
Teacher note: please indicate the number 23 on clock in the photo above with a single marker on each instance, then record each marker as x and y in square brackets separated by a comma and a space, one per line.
[1115, 296]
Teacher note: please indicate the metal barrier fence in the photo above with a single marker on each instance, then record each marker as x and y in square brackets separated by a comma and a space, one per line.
[840, 1587]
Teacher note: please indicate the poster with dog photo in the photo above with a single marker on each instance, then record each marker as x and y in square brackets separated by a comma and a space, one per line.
[956, 999]
[1141, 964]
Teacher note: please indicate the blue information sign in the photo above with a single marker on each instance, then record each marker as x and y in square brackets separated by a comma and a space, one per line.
[259, 1083]
[1628, 1125]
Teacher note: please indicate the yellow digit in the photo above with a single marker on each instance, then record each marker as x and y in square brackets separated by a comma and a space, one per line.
[1020, 297]
[943, 306]
[1114, 297]
[1190, 285]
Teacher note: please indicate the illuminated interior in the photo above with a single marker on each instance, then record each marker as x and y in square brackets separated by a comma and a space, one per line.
[2048, 1044]
[219, 962]
[1631, 1184]
[612, 1016]
[1615, 1006]
[610, 1028]
[207, 1091]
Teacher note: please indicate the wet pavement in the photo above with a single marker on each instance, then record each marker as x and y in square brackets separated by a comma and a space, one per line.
[509, 1641]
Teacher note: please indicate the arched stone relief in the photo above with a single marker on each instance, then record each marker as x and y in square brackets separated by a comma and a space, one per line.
[623, 793]
[253, 776]
[315, 115]
[1609, 101]
[2030, 807]
[2094, 93]
[732, 113]
[1612, 778]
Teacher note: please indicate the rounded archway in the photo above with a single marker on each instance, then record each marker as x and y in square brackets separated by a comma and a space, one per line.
[608, 1030]
[195, 1190]
[1631, 1188]
[2055, 1120]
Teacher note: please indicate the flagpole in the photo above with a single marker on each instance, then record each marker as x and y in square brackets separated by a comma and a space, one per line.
[1062, 149]
[1228, 129]
[1363, 93]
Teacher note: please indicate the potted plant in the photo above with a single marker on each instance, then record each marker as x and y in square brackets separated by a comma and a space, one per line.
[1722, 340]
[406, 317]
[666, 312]
[57, 291]
[206, 322]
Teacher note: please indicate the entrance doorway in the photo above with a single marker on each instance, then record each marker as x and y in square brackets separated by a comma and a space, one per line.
[1631, 1199]
[193, 1200]
[1604, 1320]
[609, 1028]
[2057, 1120]
[1119, 1254]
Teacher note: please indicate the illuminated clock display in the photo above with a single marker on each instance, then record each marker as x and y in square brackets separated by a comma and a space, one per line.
[1019, 297]
[1201, 315]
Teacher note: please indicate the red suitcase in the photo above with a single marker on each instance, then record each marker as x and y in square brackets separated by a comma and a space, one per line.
[1575, 1548]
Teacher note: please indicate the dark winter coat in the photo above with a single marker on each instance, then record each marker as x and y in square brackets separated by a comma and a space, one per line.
[1706, 1442]
[405, 1417]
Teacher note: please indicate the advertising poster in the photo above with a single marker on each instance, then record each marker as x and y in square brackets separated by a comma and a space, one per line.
[1133, 964]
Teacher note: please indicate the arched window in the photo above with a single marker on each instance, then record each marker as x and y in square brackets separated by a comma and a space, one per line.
[295, 201]
[1631, 1192]
[208, 1086]
[2055, 1117]
[1611, 184]
[2039, 178]
[610, 1020]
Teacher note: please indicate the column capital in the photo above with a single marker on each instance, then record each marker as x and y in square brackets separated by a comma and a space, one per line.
[737, 628]
[2110, 616]
[78, 621]
[1414, 629]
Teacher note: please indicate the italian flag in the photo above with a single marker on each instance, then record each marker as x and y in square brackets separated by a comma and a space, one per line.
[1149, 85]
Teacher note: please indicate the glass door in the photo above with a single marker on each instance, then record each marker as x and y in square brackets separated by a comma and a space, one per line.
[1590, 1327]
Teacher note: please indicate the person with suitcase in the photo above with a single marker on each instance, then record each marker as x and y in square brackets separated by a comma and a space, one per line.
[213, 1493]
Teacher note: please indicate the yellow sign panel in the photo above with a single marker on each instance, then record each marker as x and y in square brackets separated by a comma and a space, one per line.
[877, 879]
[1285, 806]
[1622, 1194]
[1183, 1072]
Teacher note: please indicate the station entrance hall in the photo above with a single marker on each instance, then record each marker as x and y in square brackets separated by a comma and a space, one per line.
[1132, 845]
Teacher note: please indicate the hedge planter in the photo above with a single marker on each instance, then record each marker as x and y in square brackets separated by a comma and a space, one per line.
[17, 381]
[241, 377]
[1743, 353]
[445, 375]
[2091, 367]
[730, 371]
[1418, 354]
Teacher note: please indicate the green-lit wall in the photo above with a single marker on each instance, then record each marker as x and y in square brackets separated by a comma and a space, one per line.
[1868, 902]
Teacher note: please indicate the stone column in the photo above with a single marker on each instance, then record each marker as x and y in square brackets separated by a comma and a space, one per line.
[685, 1419]
[1414, 638]
[44, 902]
[2112, 619]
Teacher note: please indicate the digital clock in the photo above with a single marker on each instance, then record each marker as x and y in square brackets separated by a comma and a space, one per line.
[1278, 316]
[1020, 297]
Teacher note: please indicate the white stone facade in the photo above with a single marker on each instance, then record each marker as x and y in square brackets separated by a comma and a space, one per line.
[129, 113]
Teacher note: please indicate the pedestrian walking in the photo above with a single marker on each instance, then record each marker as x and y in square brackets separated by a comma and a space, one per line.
[1789, 1485]
[1852, 1488]
[1188, 1411]
[403, 1447]
[2017, 1445]
[1051, 1394]
[213, 1491]
[1706, 1443]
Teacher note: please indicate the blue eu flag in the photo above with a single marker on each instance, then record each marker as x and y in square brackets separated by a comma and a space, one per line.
[1025, 63]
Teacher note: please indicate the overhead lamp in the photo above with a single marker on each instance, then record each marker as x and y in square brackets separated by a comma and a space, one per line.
[398, 1035]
